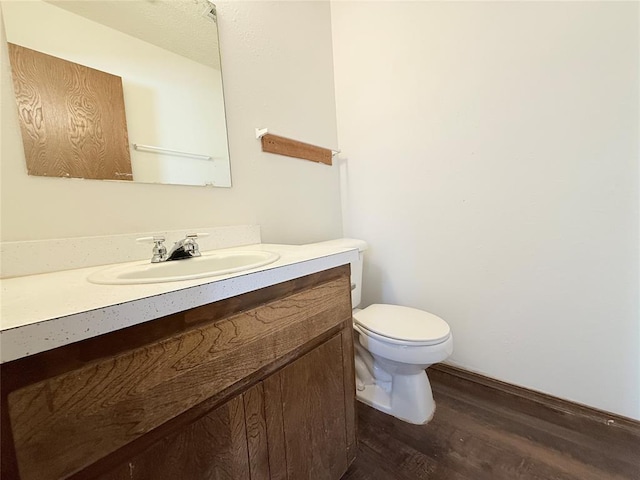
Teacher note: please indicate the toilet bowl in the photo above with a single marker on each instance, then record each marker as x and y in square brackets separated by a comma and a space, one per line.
[393, 347]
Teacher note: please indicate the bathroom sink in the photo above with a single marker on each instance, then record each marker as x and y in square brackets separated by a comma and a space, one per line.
[208, 265]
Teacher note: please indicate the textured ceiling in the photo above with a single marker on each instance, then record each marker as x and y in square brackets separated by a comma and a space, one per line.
[185, 27]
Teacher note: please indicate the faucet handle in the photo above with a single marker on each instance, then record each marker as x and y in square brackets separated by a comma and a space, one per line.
[159, 250]
[194, 247]
[153, 239]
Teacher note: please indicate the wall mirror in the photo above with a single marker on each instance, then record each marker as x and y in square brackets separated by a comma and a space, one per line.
[120, 90]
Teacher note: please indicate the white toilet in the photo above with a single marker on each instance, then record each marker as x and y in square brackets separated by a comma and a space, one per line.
[393, 347]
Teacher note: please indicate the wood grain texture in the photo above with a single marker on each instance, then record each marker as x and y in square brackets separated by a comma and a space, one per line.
[313, 409]
[9, 465]
[72, 117]
[141, 444]
[348, 368]
[213, 448]
[568, 409]
[484, 433]
[256, 432]
[293, 148]
[104, 405]
[275, 428]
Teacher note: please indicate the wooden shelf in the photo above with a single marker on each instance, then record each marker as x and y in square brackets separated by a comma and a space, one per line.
[293, 148]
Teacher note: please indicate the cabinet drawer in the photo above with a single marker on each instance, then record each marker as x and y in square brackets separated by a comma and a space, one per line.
[64, 423]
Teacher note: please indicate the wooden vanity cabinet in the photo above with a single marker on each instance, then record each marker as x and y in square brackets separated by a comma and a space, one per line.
[259, 386]
[212, 447]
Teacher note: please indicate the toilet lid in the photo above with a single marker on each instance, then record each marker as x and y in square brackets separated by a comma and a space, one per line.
[403, 323]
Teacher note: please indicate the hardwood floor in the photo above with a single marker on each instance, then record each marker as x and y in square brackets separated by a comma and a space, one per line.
[482, 433]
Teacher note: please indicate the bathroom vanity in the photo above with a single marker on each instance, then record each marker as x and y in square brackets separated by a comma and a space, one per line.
[257, 385]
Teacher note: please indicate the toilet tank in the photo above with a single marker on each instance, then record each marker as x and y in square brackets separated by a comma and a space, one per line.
[356, 266]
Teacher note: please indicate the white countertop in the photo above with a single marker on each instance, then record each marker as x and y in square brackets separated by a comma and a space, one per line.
[42, 312]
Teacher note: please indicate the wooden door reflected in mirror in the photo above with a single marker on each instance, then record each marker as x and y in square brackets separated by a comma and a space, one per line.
[72, 117]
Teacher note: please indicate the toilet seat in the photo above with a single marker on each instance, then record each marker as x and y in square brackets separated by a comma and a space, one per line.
[402, 325]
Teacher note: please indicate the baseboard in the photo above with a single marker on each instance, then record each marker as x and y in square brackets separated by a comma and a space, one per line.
[449, 374]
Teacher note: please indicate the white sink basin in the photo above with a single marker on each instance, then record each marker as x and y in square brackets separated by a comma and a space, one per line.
[208, 265]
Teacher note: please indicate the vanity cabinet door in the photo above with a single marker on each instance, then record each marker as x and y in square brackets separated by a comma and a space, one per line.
[213, 447]
[310, 413]
[297, 424]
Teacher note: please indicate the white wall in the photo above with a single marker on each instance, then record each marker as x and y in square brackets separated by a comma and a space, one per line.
[277, 74]
[493, 167]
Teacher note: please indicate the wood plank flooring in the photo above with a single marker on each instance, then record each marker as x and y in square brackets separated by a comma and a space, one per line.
[483, 433]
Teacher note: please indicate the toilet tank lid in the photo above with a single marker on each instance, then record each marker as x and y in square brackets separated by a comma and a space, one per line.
[361, 245]
[403, 323]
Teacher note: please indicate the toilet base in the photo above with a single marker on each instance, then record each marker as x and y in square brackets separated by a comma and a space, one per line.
[410, 399]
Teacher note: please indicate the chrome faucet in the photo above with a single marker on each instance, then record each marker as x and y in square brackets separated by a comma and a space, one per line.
[185, 248]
